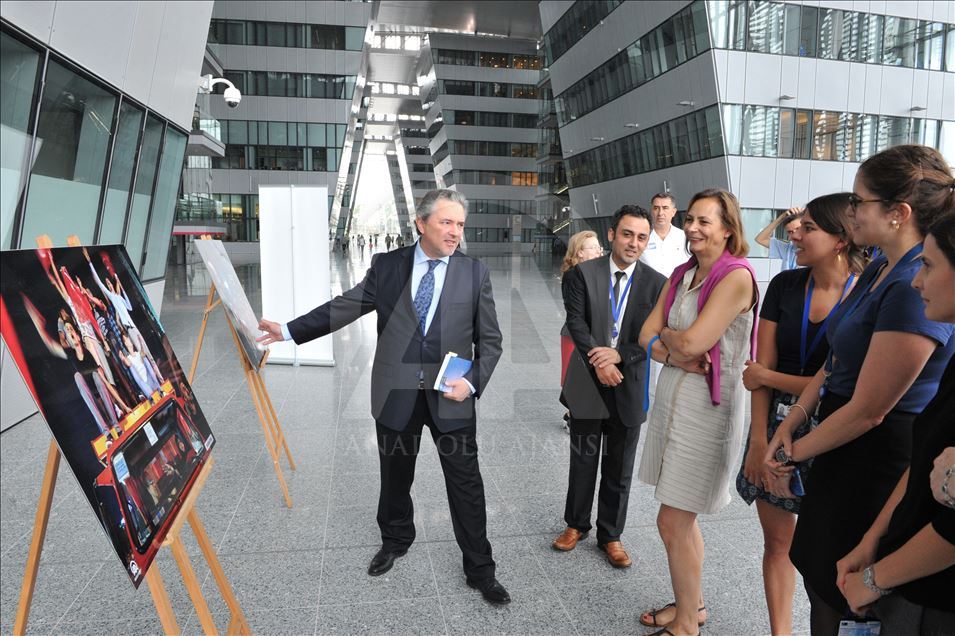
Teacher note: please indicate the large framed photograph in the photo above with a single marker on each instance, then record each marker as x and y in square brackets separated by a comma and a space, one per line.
[233, 297]
[91, 350]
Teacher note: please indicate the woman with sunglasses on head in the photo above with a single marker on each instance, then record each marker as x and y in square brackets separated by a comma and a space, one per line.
[792, 347]
[904, 567]
[884, 365]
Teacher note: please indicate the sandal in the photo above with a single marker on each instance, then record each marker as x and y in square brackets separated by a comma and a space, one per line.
[665, 632]
[653, 617]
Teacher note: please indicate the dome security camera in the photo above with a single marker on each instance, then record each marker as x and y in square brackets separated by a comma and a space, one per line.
[232, 96]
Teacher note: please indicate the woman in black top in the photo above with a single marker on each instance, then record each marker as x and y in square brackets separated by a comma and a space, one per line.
[829, 263]
[904, 567]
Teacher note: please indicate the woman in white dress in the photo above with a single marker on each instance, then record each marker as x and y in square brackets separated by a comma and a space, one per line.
[702, 330]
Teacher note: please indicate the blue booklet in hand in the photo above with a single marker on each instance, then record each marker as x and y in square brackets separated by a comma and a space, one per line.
[453, 368]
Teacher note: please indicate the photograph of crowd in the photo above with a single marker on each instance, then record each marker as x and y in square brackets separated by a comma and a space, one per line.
[92, 352]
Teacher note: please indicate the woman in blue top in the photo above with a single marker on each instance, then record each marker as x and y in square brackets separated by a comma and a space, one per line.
[884, 365]
[792, 347]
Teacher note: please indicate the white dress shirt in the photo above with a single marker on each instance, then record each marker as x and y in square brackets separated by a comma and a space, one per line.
[624, 294]
[417, 273]
[665, 254]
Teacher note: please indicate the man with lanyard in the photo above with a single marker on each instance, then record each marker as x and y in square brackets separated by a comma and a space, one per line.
[607, 301]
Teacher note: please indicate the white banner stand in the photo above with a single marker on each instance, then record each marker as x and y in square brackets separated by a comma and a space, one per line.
[296, 273]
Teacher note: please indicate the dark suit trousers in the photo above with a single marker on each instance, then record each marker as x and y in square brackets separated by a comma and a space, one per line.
[614, 446]
[457, 451]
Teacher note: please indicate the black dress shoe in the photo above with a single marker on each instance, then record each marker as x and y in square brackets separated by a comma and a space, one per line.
[383, 560]
[492, 591]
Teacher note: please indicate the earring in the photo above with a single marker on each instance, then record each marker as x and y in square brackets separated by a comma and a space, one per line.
[839, 256]
[894, 223]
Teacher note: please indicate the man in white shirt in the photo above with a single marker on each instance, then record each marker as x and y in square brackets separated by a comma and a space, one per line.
[667, 246]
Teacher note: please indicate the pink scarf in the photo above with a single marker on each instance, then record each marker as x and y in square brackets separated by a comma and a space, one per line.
[723, 266]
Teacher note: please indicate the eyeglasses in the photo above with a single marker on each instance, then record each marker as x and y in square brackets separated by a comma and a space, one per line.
[855, 201]
[593, 247]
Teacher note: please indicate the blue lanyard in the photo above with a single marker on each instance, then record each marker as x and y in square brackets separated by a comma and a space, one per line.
[616, 304]
[910, 256]
[805, 352]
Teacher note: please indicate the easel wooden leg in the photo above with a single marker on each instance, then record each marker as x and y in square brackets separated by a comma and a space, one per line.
[39, 534]
[238, 622]
[193, 586]
[161, 599]
[279, 434]
[269, 441]
[202, 333]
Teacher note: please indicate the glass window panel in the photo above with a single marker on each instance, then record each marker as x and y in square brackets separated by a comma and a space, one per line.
[925, 132]
[340, 134]
[73, 137]
[275, 32]
[238, 132]
[950, 47]
[164, 205]
[733, 123]
[18, 68]
[899, 41]
[786, 130]
[830, 34]
[808, 20]
[893, 131]
[946, 141]
[803, 134]
[121, 173]
[827, 128]
[753, 221]
[235, 32]
[873, 35]
[143, 192]
[278, 133]
[931, 44]
[354, 38]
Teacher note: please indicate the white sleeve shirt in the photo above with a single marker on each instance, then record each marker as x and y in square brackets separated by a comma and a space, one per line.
[664, 255]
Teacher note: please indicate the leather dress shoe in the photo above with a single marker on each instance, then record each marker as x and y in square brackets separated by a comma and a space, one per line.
[568, 539]
[492, 591]
[617, 556]
[383, 560]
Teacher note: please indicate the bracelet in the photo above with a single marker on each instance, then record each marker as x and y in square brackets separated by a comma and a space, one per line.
[802, 408]
[666, 362]
[868, 579]
[949, 500]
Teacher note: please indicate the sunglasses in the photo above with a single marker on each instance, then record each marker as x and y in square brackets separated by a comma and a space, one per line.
[855, 201]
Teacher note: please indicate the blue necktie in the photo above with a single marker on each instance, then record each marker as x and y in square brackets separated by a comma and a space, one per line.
[422, 298]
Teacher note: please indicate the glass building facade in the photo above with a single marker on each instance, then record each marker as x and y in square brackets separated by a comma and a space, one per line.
[104, 167]
[832, 34]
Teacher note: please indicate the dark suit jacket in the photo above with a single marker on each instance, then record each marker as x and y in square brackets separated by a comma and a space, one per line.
[586, 290]
[465, 322]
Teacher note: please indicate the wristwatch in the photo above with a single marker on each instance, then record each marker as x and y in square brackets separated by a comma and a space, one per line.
[868, 579]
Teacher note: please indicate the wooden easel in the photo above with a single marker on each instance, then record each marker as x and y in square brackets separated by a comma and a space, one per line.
[237, 622]
[274, 436]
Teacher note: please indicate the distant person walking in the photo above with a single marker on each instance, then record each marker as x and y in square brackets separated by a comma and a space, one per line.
[361, 245]
[387, 242]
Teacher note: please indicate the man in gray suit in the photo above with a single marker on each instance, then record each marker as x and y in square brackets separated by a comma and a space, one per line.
[607, 300]
[430, 299]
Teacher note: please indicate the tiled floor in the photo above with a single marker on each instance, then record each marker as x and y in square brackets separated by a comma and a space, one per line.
[302, 570]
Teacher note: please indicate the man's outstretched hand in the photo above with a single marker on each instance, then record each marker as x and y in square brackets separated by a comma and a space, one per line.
[273, 332]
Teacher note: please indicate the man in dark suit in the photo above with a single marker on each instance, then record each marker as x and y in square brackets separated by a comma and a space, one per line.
[430, 299]
[607, 300]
